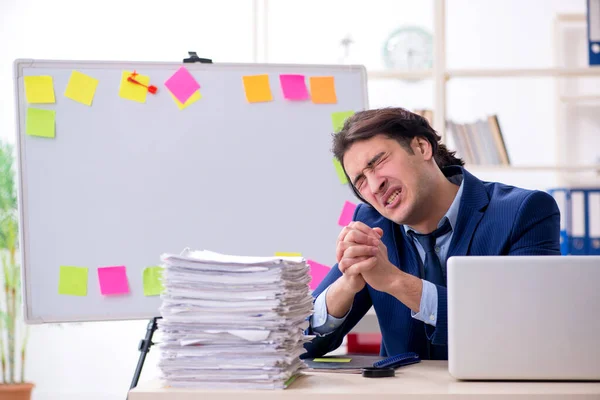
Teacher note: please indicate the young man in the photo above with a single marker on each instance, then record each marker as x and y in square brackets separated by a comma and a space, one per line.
[421, 207]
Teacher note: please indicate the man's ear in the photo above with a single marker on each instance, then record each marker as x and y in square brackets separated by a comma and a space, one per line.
[424, 148]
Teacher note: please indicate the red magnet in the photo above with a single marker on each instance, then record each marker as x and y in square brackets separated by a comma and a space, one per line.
[152, 89]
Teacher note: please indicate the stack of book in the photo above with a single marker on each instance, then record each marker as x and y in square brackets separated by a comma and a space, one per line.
[233, 321]
[479, 143]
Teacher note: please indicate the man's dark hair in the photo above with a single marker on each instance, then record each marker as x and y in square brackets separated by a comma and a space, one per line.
[395, 123]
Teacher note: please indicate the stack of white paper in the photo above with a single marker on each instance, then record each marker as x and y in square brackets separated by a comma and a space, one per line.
[233, 321]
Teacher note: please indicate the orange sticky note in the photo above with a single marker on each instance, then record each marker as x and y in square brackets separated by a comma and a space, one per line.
[322, 90]
[257, 88]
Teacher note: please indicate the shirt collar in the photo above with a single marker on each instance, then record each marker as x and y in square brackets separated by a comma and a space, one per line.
[452, 213]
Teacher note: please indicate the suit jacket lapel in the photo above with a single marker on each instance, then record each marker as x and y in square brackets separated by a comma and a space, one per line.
[473, 203]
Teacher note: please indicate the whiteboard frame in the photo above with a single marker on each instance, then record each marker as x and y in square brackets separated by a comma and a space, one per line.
[21, 63]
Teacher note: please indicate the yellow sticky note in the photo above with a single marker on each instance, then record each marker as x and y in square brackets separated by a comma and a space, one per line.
[73, 281]
[152, 279]
[283, 254]
[39, 89]
[332, 360]
[322, 90]
[132, 91]
[257, 88]
[81, 88]
[340, 171]
[40, 122]
[193, 98]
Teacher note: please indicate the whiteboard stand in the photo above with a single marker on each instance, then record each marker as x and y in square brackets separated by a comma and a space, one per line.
[144, 348]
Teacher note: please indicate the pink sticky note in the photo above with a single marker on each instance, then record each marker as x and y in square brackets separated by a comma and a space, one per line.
[182, 84]
[294, 87]
[113, 280]
[317, 272]
[347, 213]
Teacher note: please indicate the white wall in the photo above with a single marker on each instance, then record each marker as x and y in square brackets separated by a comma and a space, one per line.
[480, 34]
[96, 360]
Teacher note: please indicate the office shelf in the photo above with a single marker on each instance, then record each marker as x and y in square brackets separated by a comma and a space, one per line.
[398, 74]
[534, 168]
[489, 73]
[580, 99]
[524, 73]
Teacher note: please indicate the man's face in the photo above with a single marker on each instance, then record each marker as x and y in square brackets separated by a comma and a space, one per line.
[389, 178]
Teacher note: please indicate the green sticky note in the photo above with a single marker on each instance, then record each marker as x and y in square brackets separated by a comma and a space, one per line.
[340, 171]
[291, 380]
[332, 359]
[338, 119]
[152, 278]
[73, 281]
[40, 122]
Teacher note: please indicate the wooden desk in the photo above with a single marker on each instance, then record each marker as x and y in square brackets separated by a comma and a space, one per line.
[427, 380]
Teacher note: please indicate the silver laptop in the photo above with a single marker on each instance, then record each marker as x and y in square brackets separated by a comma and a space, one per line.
[524, 317]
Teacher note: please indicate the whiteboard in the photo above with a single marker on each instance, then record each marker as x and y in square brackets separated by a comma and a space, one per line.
[123, 182]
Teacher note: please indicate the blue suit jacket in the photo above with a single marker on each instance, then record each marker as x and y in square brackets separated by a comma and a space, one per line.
[493, 219]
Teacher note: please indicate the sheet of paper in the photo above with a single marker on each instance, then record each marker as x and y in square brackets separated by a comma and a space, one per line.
[257, 88]
[233, 338]
[81, 88]
[40, 122]
[332, 359]
[322, 90]
[131, 91]
[249, 335]
[294, 87]
[182, 85]
[317, 273]
[152, 279]
[39, 89]
[338, 119]
[113, 280]
[211, 258]
[284, 254]
[340, 171]
[347, 213]
[73, 281]
[193, 98]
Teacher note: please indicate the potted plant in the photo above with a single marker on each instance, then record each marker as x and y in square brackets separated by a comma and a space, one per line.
[13, 333]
